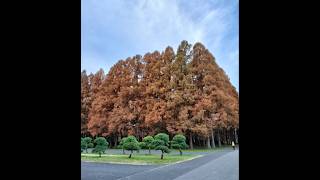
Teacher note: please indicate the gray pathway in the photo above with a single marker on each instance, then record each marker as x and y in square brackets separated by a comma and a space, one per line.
[225, 167]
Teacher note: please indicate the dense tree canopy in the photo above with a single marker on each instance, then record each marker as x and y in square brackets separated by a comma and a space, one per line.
[131, 144]
[101, 145]
[161, 142]
[179, 142]
[177, 93]
[148, 142]
[87, 143]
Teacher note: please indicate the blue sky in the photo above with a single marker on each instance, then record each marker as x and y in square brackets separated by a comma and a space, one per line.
[116, 29]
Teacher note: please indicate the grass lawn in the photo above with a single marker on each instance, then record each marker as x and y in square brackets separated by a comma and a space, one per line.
[137, 158]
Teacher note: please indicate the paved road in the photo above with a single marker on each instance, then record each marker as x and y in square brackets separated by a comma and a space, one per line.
[225, 167]
[216, 165]
[106, 171]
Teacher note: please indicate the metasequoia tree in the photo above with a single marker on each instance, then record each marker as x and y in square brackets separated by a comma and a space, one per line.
[85, 102]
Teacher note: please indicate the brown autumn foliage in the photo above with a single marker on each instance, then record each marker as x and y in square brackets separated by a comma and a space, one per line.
[85, 101]
[89, 88]
[186, 93]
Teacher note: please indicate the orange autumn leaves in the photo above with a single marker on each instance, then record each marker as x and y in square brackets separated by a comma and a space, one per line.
[186, 92]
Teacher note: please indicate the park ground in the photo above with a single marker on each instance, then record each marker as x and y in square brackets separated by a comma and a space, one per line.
[217, 164]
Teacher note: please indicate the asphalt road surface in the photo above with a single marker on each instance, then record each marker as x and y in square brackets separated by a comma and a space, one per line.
[219, 165]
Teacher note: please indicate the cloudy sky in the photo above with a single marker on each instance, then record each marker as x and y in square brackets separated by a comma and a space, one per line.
[116, 29]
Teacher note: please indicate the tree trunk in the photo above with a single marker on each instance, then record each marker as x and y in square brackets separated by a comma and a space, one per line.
[212, 140]
[190, 141]
[161, 154]
[99, 154]
[224, 137]
[130, 154]
[221, 135]
[227, 137]
[195, 141]
[86, 150]
[208, 142]
[116, 142]
[219, 139]
[236, 136]
[149, 151]
[180, 152]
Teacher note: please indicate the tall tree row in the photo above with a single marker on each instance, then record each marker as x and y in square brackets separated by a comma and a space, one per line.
[178, 93]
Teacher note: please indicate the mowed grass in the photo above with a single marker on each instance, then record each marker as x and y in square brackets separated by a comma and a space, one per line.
[137, 158]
